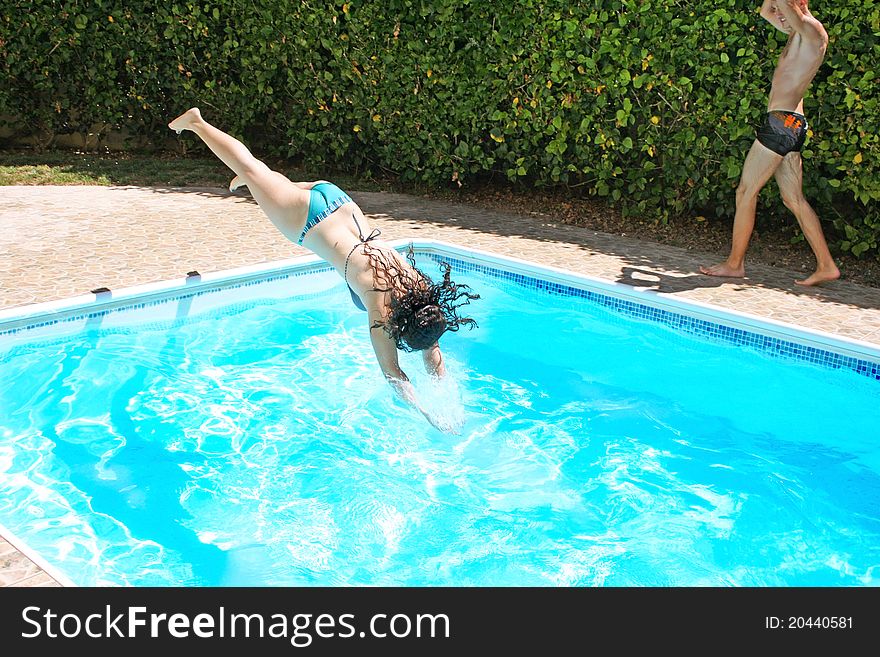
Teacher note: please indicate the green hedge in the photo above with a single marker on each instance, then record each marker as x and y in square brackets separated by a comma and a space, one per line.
[651, 103]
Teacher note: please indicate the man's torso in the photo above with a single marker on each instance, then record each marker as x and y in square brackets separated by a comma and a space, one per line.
[797, 66]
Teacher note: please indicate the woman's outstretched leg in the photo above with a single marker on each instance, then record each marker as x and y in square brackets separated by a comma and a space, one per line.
[274, 192]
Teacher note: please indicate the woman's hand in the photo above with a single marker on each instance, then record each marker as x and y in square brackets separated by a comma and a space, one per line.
[443, 424]
[386, 354]
[405, 391]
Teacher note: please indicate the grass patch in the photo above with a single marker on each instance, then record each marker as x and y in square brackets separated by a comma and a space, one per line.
[79, 168]
[43, 174]
[76, 168]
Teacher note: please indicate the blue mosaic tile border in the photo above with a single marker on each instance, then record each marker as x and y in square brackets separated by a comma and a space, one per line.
[683, 323]
[677, 321]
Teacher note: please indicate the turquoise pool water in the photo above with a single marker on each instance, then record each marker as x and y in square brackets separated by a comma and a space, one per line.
[257, 444]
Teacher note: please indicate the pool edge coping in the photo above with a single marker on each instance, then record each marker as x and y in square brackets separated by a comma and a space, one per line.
[24, 316]
[10, 537]
[657, 299]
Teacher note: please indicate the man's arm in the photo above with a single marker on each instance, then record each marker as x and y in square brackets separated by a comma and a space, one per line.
[802, 21]
[768, 13]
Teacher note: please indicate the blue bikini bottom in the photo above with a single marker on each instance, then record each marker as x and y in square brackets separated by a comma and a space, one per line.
[325, 199]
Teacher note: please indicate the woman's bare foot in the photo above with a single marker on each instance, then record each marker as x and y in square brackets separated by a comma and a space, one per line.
[235, 183]
[723, 269]
[186, 120]
[831, 273]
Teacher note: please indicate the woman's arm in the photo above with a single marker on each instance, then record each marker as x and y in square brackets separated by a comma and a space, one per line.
[433, 360]
[386, 353]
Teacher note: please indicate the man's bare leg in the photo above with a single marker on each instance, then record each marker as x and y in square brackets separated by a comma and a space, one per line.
[759, 166]
[789, 177]
[274, 192]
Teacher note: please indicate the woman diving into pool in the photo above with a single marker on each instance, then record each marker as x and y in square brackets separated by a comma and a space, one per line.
[405, 309]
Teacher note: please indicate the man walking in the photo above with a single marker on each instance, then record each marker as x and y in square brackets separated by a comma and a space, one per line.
[776, 150]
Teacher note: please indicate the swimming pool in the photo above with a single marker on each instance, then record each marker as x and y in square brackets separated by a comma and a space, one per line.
[234, 430]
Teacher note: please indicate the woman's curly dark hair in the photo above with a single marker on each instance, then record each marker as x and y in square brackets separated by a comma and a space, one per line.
[421, 310]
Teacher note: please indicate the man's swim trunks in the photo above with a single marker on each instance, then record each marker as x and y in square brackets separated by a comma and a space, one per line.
[325, 199]
[783, 132]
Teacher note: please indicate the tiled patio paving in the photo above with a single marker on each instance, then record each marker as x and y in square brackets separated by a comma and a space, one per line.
[57, 242]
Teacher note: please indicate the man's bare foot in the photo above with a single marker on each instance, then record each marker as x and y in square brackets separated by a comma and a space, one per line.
[723, 269]
[820, 276]
[185, 120]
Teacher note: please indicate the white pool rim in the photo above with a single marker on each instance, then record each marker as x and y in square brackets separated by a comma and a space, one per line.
[27, 316]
